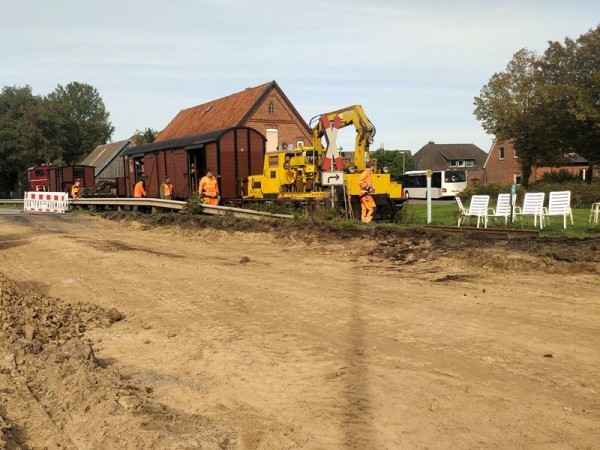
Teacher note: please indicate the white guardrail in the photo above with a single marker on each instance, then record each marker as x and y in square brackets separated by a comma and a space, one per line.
[156, 203]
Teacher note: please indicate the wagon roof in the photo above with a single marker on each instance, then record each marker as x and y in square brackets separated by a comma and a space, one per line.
[183, 142]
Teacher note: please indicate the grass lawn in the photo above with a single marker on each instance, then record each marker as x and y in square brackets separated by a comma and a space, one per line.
[447, 215]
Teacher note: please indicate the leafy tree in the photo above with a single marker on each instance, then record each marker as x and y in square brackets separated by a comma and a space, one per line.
[146, 136]
[23, 141]
[572, 70]
[56, 129]
[548, 105]
[83, 120]
[397, 161]
[511, 106]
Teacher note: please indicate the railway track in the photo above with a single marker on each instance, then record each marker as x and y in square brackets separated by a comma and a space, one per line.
[176, 205]
[494, 233]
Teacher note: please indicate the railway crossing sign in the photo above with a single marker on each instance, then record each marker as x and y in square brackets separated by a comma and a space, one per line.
[331, 132]
[332, 178]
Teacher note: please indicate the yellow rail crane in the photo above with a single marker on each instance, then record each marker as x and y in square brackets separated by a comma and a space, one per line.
[321, 172]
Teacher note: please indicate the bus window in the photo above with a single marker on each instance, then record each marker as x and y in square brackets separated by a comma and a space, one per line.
[455, 176]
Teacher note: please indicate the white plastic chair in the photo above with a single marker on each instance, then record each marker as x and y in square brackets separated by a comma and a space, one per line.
[478, 208]
[502, 208]
[559, 204]
[595, 212]
[533, 205]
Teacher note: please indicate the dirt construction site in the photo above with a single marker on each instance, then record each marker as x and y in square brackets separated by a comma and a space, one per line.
[134, 332]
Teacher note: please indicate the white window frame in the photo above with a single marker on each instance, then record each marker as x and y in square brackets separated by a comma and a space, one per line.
[501, 153]
[517, 175]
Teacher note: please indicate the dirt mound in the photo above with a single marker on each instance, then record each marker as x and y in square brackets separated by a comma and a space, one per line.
[402, 245]
[57, 394]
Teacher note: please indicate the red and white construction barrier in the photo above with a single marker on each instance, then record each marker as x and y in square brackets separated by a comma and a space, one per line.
[49, 202]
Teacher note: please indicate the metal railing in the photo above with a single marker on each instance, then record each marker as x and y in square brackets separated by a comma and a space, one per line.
[156, 203]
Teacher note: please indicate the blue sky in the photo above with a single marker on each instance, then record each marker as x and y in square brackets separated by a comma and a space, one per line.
[414, 66]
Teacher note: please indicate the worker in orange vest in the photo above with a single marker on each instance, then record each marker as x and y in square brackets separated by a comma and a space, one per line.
[76, 190]
[209, 189]
[367, 202]
[139, 190]
[166, 189]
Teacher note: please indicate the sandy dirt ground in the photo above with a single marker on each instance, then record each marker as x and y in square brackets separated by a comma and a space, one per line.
[127, 334]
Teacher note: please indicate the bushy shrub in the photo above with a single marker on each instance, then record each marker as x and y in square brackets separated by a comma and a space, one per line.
[491, 189]
[559, 176]
[194, 204]
[582, 194]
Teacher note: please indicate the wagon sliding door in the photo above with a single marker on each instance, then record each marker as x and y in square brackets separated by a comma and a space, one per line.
[196, 166]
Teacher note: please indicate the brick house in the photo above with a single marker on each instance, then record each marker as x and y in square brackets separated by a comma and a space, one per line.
[502, 165]
[229, 136]
[466, 157]
[265, 108]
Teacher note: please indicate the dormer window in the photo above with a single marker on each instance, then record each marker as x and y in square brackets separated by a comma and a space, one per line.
[271, 108]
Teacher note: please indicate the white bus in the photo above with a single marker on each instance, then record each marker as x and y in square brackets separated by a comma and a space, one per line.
[444, 184]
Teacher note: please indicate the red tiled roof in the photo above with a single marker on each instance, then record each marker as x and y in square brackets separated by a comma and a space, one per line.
[222, 113]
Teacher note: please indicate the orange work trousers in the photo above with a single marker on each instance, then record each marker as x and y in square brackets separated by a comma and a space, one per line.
[211, 200]
[367, 208]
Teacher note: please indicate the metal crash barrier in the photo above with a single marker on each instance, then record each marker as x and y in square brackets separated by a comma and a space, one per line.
[46, 202]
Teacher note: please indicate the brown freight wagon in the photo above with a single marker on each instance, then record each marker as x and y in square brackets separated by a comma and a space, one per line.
[232, 154]
[60, 179]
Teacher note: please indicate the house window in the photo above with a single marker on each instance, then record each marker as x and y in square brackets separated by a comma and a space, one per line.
[501, 153]
[453, 163]
[518, 178]
[271, 108]
[469, 163]
[461, 163]
[78, 172]
[299, 144]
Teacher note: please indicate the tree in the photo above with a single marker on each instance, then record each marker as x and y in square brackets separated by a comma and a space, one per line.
[83, 120]
[146, 136]
[548, 105]
[573, 69]
[57, 129]
[511, 106]
[23, 140]
[397, 161]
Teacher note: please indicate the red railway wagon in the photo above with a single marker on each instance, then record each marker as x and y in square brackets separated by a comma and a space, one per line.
[232, 154]
[37, 178]
[62, 178]
[48, 178]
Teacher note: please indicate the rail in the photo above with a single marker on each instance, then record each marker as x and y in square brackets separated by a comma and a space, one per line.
[494, 233]
[156, 203]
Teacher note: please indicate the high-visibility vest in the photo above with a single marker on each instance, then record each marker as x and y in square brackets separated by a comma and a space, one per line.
[167, 189]
[209, 186]
[365, 183]
[75, 191]
[139, 190]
